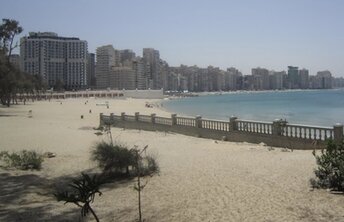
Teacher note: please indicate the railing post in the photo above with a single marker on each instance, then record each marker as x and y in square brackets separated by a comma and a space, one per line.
[123, 116]
[232, 123]
[338, 133]
[153, 118]
[198, 122]
[174, 119]
[137, 114]
[112, 119]
[277, 127]
[101, 122]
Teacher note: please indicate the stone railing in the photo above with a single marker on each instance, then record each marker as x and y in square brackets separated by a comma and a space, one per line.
[183, 121]
[308, 132]
[277, 133]
[254, 126]
[215, 125]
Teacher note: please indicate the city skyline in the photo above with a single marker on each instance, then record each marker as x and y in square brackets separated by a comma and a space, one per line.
[271, 34]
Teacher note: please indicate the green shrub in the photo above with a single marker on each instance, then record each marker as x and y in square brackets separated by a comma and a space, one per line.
[330, 170]
[112, 158]
[116, 158]
[24, 160]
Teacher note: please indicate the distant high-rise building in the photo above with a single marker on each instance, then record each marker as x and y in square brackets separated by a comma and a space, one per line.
[140, 78]
[338, 82]
[151, 58]
[262, 80]
[122, 78]
[231, 79]
[325, 79]
[277, 80]
[215, 77]
[106, 59]
[119, 69]
[248, 82]
[164, 71]
[293, 77]
[304, 78]
[91, 70]
[126, 55]
[182, 83]
[58, 60]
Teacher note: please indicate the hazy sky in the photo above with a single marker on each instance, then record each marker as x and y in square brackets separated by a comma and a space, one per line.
[243, 33]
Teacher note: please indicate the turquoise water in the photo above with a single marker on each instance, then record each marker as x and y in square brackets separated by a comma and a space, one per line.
[319, 107]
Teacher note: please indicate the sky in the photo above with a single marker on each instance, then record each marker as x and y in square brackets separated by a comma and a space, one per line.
[223, 33]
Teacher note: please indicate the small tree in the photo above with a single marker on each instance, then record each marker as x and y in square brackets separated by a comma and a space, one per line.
[83, 194]
[330, 170]
[144, 165]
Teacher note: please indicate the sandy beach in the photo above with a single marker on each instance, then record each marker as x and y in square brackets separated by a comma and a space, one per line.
[199, 179]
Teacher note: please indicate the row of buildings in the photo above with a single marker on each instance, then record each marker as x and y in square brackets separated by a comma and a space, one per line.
[193, 78]
[66, 61]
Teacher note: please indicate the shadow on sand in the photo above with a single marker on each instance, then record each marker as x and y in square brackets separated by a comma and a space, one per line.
[29, 197]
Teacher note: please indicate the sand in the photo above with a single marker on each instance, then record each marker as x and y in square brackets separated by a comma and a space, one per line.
[200, 179]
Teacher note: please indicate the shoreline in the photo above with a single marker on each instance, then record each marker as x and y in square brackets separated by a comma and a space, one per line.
[251, 91]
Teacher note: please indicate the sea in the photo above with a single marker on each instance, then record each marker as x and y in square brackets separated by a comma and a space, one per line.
[306, 107]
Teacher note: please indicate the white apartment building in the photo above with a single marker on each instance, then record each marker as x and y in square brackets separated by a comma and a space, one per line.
[151, 58]
[55, 58]
[107, 58]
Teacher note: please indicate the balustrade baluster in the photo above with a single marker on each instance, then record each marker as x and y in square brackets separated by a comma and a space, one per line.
[290, 131]
[319, 134]
[299, 132]
[315, 134]
[302, 133]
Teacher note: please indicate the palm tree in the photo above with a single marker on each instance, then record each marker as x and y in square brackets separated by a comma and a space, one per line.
[84, 192]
